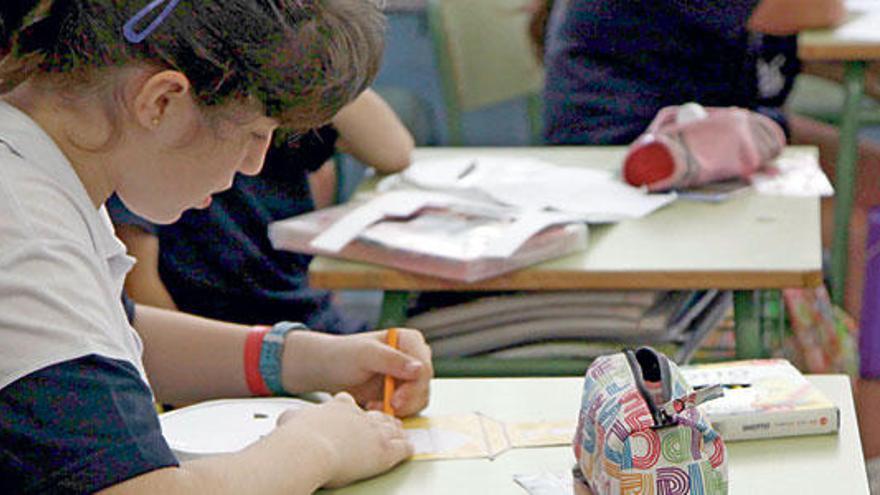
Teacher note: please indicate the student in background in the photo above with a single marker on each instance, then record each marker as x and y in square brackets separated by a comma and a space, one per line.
[163, 103]
[218, 262]
[612, 65]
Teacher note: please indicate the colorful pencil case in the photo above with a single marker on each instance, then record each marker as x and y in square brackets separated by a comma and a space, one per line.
[639, 430]
[688, 146]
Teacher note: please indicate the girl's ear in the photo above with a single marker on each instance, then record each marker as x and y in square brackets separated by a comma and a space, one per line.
[161, 96]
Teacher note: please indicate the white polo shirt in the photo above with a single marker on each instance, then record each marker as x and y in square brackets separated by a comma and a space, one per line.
[61, 266]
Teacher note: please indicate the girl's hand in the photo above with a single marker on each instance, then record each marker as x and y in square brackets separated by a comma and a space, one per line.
[352, 444]
[358, 364]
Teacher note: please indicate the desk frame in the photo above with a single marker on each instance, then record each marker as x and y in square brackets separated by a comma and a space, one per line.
[791, 259]
[826, 46]
[803, 465]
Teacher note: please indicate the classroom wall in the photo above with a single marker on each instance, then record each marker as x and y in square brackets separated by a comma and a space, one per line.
[409, 64]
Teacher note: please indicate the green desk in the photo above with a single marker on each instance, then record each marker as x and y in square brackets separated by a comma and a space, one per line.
[747, 244]
[828, 46]
[802, 465]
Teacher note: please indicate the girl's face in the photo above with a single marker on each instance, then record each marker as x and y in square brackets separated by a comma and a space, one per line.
[185, 160]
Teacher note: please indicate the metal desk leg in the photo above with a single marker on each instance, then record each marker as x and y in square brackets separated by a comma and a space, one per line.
[759, 318]
[747, 309]
[847, 156]
[394, 306]
[773, 318]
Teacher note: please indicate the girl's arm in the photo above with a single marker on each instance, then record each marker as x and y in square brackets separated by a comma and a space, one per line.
[189, 359]
[143, 282]
[371, 132]
[332, 444]
[784, 17]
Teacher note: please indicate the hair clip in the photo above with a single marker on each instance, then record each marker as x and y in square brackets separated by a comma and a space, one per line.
[136, 37]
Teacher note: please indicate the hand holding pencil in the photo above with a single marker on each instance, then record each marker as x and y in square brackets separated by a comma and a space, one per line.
[403, 395]
[361, 365]
[388, 390]
[404, 391]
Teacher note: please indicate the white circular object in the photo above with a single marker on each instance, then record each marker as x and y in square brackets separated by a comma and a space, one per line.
[223, 426]
[690, 112]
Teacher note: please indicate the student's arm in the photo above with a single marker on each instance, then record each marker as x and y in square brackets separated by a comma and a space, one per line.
[189, 359]
[371, 132]
[783, 17]
[322, 184]
[331, 445]
[143, 283]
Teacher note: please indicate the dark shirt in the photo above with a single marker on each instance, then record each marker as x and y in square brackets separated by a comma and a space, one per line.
[219, 263]
[612, 64]
[78, 427]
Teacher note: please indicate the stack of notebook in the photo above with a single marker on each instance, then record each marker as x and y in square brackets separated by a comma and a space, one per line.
[580, 325]
[433, 234]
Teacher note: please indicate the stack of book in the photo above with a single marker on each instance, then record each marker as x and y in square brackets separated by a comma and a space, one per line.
[433, 234]
[763, 398]
[574, 325]
[468, 218]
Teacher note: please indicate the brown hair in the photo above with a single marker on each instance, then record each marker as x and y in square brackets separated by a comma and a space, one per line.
[301, 59]
[540, 15]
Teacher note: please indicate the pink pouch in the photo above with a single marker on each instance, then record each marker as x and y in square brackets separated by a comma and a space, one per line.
[721, 144]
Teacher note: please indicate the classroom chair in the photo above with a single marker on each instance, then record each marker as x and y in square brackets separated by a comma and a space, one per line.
[484, 58]
[822, 99]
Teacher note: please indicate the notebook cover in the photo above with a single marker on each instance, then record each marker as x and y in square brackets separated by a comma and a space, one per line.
[295, 234]
[764, 399]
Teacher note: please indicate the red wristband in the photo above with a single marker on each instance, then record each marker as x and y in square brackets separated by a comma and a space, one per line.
[252, 346]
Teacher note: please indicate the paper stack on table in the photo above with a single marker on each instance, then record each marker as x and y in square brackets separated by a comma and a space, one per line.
[595, 196]
[467, 219]
[433, 234]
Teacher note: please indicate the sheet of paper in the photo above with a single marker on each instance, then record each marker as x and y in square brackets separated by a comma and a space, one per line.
[863, 5]
[546, 483]
[478, 436]
[395, 204]
[456, 437]
[793, 175]
[593, 195]
[541, 433]
[865, 27]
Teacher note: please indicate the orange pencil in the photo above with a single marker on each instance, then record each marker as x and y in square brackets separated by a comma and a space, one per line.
[391, 340]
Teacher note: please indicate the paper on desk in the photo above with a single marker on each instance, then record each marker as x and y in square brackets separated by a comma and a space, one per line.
[862, 5]
[595, 195]
[396, 204]
[456, 437]
[478, 436]
[546, 483]
[866, 27]
[502, 230]
[794, 174]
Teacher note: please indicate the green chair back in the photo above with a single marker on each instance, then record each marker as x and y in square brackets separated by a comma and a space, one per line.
[822, 99]
[484, 58]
